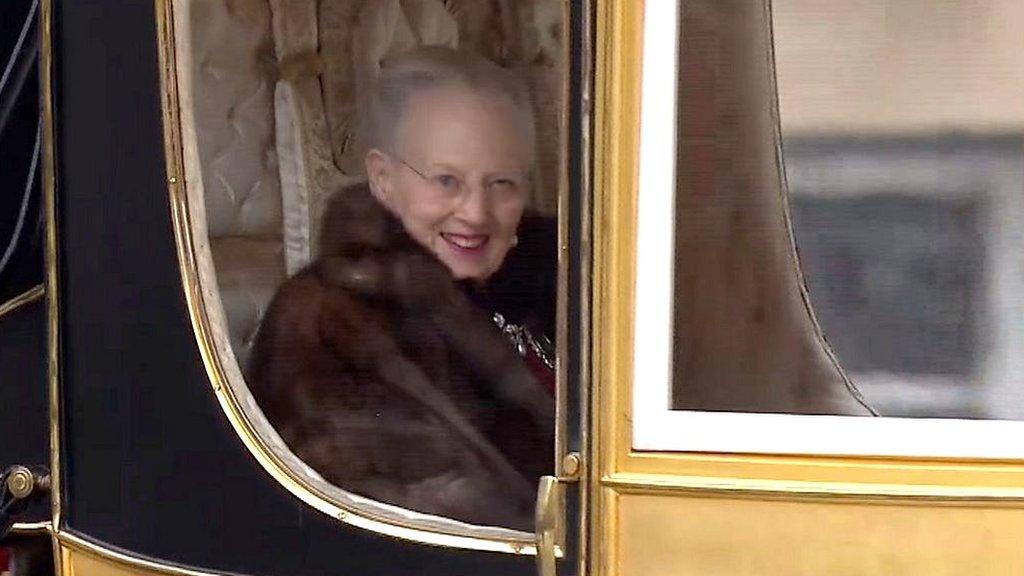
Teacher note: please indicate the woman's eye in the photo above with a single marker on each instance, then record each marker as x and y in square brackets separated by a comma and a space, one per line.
[505, 186]
[448, 182]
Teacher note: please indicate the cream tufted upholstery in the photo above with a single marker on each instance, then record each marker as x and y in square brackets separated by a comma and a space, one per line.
[233, 79]
[234, 70]
[276, 85]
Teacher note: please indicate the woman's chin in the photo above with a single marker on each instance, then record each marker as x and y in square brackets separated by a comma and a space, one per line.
[476, 275]
[467, 264]
[461, 270]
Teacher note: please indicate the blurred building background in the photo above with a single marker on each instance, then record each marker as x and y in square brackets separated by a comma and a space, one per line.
[903, 131]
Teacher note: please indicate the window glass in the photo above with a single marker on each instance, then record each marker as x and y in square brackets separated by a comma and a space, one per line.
[904, 202]
[844, 234]
[744, 340]
[378, 185]
[904, 150]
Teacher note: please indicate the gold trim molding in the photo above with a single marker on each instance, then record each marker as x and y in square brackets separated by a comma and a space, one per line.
[53, 301]
[24, 299]
[584, 269]
[616, 114]
[81, 557]
[634, 483]
[43, 527]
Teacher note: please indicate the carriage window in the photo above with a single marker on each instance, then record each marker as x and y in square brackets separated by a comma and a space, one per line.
[905, 197]
[377, 184]
[885, 280]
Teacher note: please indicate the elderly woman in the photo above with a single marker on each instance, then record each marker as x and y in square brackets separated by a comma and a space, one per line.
[411, 363]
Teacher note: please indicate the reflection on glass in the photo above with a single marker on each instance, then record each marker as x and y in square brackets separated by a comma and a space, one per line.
[743, 338]
[905, 175]
[905, 197]
[381, 220]
[897, 283]
[903, 270]
[906, 172]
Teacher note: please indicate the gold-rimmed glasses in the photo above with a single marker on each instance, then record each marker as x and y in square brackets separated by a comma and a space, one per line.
[449, 184]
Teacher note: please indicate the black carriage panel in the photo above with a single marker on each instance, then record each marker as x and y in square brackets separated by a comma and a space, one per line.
[150, 463]
[23, 392]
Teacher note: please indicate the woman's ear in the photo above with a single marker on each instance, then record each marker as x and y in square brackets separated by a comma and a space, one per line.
[378, 175]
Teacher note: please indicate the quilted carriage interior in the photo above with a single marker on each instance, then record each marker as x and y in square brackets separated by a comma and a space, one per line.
[274, 88]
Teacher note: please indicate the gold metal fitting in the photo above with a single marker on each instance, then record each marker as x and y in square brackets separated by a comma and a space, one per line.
[572, 467]
[43, 483]
[20, 482]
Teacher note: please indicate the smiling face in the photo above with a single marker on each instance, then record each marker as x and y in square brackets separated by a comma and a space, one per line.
[457, 178]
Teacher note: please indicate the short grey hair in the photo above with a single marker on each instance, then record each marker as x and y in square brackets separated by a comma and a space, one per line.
[429, 67]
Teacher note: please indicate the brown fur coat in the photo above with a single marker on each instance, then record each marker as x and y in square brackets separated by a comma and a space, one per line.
[389, 378]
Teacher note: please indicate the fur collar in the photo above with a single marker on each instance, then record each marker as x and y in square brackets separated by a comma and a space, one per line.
[523, 290]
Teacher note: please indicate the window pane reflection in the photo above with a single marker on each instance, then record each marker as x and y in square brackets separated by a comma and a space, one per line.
[905, 161]
[903, 141]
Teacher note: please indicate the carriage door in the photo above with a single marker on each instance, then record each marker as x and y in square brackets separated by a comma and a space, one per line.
[190, 147]
[824, 378]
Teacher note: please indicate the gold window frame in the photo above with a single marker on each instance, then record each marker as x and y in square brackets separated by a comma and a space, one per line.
[624, 481]
[659, 427]
[209, 324]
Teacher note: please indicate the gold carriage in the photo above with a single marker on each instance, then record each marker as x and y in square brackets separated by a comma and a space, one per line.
[704, 424]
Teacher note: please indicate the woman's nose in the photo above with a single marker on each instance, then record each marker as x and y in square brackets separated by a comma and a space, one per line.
[475, 207]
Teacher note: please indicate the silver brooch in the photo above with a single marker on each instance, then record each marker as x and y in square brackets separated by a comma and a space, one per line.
[523, 340]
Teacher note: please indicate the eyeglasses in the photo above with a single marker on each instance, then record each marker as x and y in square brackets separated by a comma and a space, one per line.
[450, 185]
